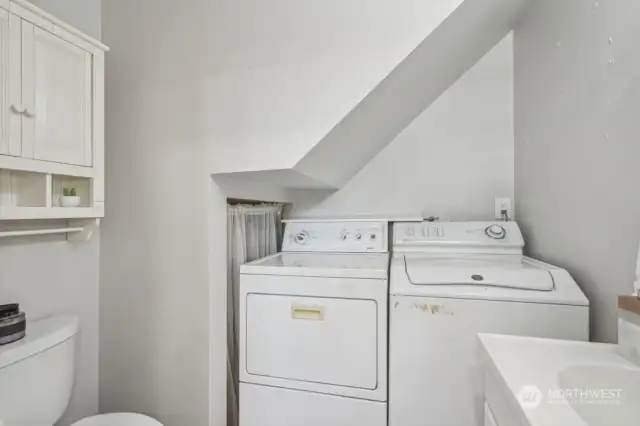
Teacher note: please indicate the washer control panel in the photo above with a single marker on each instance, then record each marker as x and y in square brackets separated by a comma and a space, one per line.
[497, 232]
[470, 236]
[336, 236]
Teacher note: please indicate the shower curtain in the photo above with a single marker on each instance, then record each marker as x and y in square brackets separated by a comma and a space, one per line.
[253, 231]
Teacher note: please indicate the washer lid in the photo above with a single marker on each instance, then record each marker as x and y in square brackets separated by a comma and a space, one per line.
[337, 265]
[496, 271]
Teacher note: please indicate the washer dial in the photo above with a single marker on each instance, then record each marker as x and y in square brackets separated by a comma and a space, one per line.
[496, 232]
[301, 237]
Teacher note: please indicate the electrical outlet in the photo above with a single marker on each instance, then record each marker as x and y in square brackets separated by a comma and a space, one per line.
[503, 203]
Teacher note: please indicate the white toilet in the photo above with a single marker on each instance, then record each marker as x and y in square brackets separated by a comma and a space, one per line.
[36, 378]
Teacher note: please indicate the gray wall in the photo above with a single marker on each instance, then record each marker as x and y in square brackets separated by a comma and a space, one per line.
[85, 15]
[577, 106]
[450, 162]
[154, 288]
[51, 276]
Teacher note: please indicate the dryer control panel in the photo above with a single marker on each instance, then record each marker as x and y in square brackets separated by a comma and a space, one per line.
[468, 237]
[360, 236]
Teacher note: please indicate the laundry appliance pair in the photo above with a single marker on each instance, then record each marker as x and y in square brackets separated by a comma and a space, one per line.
[335, 332]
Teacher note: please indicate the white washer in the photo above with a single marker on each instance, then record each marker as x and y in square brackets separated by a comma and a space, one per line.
[313, 328]
[450, 281]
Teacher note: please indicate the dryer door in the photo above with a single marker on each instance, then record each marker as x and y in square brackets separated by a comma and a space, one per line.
[313, 339]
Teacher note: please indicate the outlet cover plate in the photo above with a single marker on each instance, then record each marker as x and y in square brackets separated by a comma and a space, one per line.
[503, 203]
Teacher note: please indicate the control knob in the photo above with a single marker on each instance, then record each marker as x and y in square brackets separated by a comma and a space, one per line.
[496, 232]
[301, 237]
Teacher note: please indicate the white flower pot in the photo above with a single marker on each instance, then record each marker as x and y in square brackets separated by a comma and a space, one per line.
[69, 201]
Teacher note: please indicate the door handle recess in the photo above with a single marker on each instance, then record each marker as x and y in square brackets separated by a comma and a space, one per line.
[306, 312]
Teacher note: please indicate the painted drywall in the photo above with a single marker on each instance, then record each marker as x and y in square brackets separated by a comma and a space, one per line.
[286, 73]
[272, 116]
[85, 15]
[450, 162]
[48, 275]
[163, 270]
[577, 97]
[154, 293]
[344, 108]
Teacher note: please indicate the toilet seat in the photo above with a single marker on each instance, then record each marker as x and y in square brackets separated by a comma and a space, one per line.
[118, 419]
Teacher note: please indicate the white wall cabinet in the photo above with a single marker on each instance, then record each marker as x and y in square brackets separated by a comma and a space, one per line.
[56, 91]
[10, 89]
[52, 119]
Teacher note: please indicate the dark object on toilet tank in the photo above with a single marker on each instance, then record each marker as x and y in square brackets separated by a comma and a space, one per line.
[13, 323]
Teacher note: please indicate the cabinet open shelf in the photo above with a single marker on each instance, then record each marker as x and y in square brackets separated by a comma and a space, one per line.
[30, 195]
[82, 187]
[22, 189]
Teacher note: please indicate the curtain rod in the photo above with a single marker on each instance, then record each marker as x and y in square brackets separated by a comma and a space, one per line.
[254, 209]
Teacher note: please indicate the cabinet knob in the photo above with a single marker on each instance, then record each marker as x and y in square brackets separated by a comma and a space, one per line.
[18, 109]
[29, 113]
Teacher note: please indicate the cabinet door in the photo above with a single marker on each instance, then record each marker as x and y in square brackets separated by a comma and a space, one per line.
[10, 87]
[56, 91]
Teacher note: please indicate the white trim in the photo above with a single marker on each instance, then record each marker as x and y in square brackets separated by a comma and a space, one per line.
[39, 166]
[28, 81]
[14, 76]
[49, 190]
[5, 83]
[26, 213]
[87, 113]
[6, 196]
[97, 139]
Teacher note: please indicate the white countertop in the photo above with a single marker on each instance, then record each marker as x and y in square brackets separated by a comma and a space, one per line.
[535, 363]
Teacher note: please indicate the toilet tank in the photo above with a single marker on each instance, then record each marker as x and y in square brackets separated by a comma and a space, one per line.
[37, 373]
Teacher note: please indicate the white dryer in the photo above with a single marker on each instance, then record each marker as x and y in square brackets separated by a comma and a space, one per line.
[313, 328]
[450, 281]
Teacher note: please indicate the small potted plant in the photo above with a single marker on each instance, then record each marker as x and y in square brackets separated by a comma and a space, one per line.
[69, 198]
